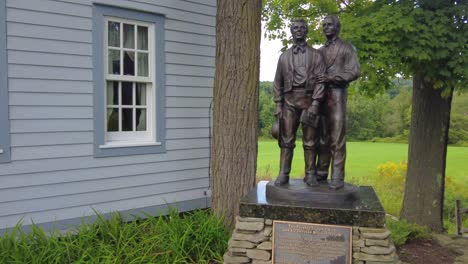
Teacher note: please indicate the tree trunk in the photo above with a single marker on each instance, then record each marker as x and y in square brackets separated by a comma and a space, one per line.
[234, 152]
[424, 192]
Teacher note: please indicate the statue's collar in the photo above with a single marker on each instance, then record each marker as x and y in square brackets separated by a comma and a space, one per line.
[299, 47]
[331, 41]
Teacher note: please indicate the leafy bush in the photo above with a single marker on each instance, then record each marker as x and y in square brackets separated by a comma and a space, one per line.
[403, 232]
[195, 237]
[454, 191]
[390, 185]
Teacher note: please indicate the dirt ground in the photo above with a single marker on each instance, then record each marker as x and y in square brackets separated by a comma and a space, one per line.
[426, 252]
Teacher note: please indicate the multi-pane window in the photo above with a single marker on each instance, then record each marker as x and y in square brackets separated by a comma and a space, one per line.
[129, 89]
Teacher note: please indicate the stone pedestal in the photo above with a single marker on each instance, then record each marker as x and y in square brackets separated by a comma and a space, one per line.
[251, 241]
[365, 209]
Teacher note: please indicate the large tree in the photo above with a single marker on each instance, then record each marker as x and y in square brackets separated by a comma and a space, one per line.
[422, 39]
[234, 153]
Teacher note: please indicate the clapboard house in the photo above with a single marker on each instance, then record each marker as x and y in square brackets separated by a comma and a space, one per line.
[104, 105]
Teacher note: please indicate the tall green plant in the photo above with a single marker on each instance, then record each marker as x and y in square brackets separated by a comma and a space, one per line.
[196, 237]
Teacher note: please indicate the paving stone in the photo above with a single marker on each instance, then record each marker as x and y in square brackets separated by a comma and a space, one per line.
[237, 254]
[250, 226]
[240, 244]
[355, 230]
[372, 230]
[379, 236]
[462, 259]
[359, 243]
[255, 261]
[255, 237]
[267, 231]
[258, 254]
[268, 222]
[249, 219]
[375, 242]
[374, 250]
[382, 262]
[377, 258]
[238, 250]
[228, 259]
[442, 239]
[267, 245]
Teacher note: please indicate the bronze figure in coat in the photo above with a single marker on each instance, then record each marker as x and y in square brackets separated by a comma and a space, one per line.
[298, 95]
[342, 67]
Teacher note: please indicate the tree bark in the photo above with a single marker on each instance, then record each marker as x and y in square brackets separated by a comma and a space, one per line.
[425, 182]
[235, 117]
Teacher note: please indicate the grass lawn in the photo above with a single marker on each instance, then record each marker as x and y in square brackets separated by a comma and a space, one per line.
[362, 159]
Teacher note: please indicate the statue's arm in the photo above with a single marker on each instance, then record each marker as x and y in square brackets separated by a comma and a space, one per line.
[278, 85]
[319, 69]
[319, 90]
[351, 68]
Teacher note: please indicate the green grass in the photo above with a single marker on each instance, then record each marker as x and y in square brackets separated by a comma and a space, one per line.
[362, 159]
[196, 237]
[381, 165]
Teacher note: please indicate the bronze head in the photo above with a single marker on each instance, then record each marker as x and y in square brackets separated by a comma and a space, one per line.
[331, 26]
[299, 30]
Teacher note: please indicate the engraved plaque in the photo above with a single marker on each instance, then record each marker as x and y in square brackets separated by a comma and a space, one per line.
[304, 243]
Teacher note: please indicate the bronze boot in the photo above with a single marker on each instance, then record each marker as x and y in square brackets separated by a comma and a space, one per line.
[285, 166]
[337, 182]
[309, 160]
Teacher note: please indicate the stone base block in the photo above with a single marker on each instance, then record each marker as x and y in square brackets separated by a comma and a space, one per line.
[251, 241]
[365, 210]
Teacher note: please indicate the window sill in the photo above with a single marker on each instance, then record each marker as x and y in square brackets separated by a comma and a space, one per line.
[128, 144]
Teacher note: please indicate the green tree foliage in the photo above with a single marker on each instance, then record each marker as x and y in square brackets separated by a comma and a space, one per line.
[365, 118]
[397, 120]
[392, 36]
[383, 117]
[458, 133]
[266, 109]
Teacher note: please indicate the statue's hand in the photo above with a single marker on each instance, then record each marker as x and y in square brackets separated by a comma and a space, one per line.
[322, 78]
[313, 110]
[310, 117]
[279, 110]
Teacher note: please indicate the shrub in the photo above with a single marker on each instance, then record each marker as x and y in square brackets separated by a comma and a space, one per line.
[195, 237]
[403, 232]
[390, 185]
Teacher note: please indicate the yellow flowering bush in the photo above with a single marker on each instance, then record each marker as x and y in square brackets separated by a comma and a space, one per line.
[390, 185]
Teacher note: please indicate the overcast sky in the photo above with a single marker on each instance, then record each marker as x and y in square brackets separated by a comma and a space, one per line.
[270, 50]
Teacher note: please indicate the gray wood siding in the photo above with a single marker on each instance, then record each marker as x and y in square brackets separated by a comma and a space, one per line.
[53, 174]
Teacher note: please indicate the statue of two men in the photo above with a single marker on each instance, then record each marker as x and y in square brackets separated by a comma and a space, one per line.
[310, 89]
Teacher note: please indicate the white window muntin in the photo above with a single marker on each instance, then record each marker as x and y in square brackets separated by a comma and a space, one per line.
[128, 137]
[150, 51]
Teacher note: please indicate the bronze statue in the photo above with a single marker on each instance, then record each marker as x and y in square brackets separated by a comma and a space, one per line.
[298, 95]
[342, 67]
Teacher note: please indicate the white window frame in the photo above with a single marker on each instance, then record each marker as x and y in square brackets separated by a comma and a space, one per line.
[132, 138]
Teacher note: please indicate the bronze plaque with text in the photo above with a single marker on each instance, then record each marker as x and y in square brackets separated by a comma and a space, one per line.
[304, 243]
